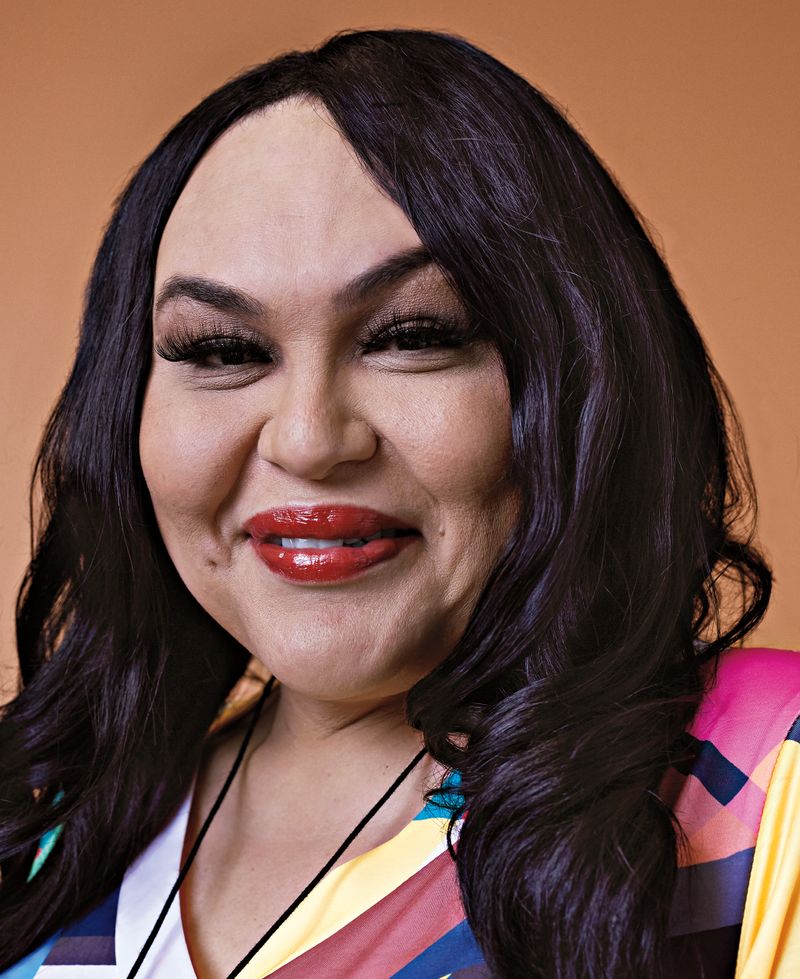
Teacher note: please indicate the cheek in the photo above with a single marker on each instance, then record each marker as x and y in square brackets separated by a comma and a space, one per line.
[454, 436]
[461, 444]
[189, 454]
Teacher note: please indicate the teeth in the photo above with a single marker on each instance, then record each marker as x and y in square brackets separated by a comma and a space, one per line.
[309, 542]
[315, 542]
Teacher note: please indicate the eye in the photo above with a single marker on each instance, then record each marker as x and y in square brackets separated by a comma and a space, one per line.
[213, 350]
[226, 351]
[419, 334]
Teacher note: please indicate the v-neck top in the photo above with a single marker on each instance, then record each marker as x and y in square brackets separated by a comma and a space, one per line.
[395, 912]
[376, 889]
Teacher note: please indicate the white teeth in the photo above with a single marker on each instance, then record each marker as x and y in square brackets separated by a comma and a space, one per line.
[319, 544]
[309, 542]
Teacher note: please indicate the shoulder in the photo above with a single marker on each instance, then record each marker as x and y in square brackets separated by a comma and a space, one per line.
[751, 703]
[754, 678]
[719, 787]
[749, 710]
[770, 940]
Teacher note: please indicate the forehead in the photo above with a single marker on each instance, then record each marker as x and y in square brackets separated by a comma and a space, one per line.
[280, 200]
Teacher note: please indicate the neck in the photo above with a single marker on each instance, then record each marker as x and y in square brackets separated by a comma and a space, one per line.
[367, 733]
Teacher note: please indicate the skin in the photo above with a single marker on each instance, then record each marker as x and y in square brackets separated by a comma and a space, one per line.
[281, 208]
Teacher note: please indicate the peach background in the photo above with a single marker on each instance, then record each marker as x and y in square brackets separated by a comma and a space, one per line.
[692, 106]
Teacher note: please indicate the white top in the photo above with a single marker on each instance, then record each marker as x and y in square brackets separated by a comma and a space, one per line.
[144, 888]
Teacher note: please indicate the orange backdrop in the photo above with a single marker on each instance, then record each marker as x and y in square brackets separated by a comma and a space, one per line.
[690, 105]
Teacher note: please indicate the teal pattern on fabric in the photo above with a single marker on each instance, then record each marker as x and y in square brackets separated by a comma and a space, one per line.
[47, 842]
[28, 967]
[445, 799]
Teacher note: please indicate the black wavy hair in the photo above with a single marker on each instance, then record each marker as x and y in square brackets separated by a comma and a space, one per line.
[582, 662]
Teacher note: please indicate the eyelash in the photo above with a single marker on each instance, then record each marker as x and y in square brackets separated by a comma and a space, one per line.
[195, 345]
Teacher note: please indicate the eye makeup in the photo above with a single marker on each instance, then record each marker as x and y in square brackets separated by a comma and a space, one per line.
[210, 345]
[197, 343]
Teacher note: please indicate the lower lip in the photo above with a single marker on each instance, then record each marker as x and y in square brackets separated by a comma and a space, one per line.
[329, 563]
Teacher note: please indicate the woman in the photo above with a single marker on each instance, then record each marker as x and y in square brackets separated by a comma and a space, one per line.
[383, 290]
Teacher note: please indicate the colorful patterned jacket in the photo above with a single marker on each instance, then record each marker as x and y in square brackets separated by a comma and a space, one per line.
[395, 911]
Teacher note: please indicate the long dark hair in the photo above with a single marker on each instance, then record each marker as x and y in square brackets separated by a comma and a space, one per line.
[581, 663]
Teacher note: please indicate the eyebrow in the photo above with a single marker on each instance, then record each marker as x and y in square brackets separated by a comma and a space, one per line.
[227, 299]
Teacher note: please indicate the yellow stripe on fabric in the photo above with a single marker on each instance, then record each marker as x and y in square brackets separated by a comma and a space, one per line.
[769, 947]
[348, 891]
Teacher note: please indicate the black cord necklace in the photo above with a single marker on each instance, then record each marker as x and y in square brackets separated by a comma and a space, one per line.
[306, 890]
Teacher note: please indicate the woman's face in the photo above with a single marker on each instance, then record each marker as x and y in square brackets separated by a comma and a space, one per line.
[271, 389]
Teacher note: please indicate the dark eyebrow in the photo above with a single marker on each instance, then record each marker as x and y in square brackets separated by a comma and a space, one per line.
[210, 293]
[386, 273]
[227, 299]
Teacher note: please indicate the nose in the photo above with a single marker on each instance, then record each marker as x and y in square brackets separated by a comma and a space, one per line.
[313, 426]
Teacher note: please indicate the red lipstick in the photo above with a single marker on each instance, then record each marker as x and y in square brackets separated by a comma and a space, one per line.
[344, 526]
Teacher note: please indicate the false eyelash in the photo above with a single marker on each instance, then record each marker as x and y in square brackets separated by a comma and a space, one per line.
[189, 343]
[193, 344]
[446, 329]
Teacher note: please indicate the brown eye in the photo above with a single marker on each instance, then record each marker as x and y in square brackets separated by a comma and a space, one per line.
[422, 334]
[210, 351]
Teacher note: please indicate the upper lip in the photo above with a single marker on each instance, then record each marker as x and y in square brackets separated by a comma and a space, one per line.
[323, 521]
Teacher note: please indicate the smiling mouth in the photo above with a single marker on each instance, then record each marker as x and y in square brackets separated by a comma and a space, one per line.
[364, 539]
[315, 560]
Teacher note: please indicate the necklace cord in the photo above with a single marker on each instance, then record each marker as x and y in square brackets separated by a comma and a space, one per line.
[306, 890]
[203, 830]
[313, 883]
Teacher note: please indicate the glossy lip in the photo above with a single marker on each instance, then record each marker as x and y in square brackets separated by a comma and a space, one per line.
[321, 522]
